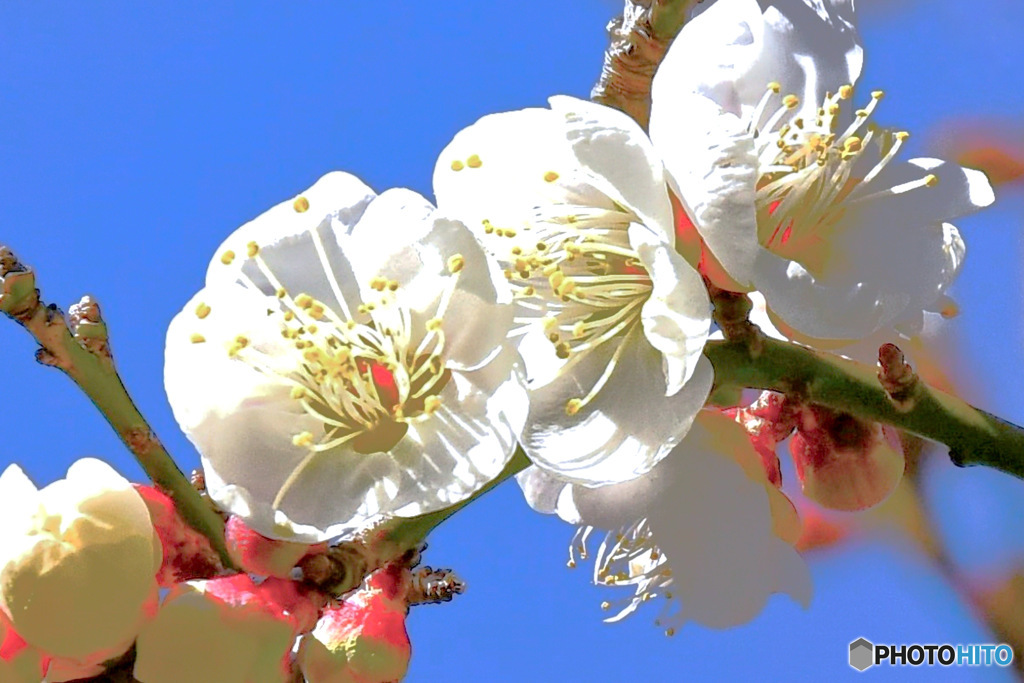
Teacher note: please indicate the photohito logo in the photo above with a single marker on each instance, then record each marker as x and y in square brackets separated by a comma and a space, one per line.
[865, 654]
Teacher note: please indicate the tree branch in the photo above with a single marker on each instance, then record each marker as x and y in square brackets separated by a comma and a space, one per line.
[974, 437]
[82, 352]
[639, 39]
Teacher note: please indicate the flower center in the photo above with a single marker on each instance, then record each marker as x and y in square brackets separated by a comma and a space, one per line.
[572, 267]
[811, 171]
[364, 377]
[628, 557]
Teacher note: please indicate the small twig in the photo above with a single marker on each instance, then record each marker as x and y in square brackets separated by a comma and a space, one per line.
[732, 313]
[85, 358]
[897, 377]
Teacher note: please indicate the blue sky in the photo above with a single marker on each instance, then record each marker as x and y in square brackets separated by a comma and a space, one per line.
[135, 136]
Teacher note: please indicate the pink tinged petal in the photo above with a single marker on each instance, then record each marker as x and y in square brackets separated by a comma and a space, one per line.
[619, 160]
[504, 165]
[711, 160]
[626, 428]
[677, 316]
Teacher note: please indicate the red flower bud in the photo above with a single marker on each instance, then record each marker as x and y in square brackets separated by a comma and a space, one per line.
[844, 463]
[264, 556]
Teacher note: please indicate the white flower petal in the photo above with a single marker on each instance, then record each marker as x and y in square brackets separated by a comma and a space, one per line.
[820, 310]
[677, 316]
[619, 160]
[960, 191]
[626, 428]
[714, 526]
[507, 164]
[710, 156]
[298, 240]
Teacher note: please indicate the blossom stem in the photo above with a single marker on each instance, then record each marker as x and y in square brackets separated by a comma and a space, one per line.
[83, 355]
[973, 436]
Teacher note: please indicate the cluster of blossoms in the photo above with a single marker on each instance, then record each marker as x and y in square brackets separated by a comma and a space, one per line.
[356, 357]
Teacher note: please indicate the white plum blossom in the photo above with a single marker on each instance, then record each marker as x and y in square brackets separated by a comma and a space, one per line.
[574, 204]
[704, 530]
[78, 562]
[793, 188]
[346, 360]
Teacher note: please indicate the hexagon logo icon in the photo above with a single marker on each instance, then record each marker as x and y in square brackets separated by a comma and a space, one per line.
[862, 654]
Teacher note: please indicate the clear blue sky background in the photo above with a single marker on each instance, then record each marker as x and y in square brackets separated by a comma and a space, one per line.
[135, 136]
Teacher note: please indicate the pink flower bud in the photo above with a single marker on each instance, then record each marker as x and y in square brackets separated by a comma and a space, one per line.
[229, 630]
[264, 556]
[363, 639]
[187, 553]
[844, 463]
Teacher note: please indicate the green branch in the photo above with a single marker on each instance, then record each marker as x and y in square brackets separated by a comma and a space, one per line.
[85, 357]
[974, 437]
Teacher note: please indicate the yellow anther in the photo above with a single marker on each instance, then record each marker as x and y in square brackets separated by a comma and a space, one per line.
[197, 338]
[488, 227]
[572, 406]
[301, 204]
[393, 286]
[252, 249]
[242, 341]
[457, 165]
[549, 323]
[431, 404]
[606, 605]
[304, 301]
[931, 180]
[670, 632]
[456, 262]
[775, 86]
[791, 101]
[474, 161]
[877, 94]
[316, 311]
[302, 439]
[517, 251]
[297, 393]
[227, 257]
[550, 177]
[289, 316]
[578, 330]
[202, 310]
[280, 293]
[529, 290]
[950, 310]
[562, 350]
[350, 324]
[379, 283]
[571, 564]
[312, 329]
[902, 135]
[555, 279]
[566, 288]
[509, 232]
[846, 91]
[433, 325]
[312, 355]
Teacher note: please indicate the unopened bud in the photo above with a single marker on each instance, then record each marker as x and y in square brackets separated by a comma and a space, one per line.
[364, 638]
[843, 462]
[187, 553]
[264, 556]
